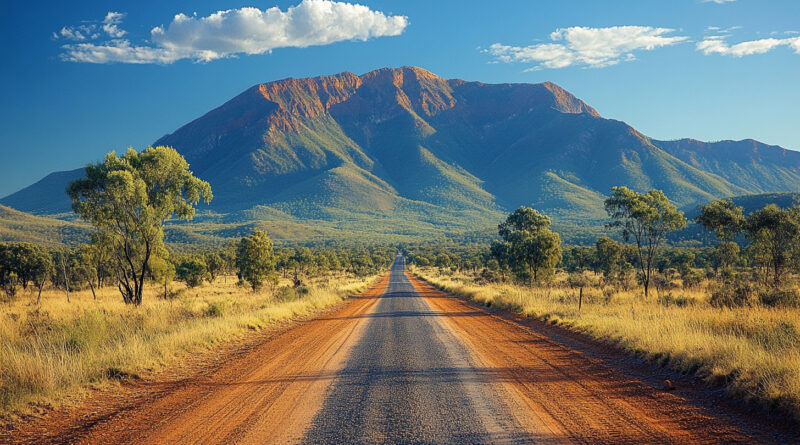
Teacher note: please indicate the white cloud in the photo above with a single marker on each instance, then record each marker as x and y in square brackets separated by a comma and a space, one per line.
[110, 24]
[719, 2]
[240, 31]
[718, 45]
[77, 33]
[592, 47]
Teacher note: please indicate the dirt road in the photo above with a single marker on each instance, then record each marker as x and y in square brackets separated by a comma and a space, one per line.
[402, 363]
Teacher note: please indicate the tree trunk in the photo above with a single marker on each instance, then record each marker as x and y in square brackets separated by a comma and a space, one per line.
[39, 297]
[91, 286]
[66, 279]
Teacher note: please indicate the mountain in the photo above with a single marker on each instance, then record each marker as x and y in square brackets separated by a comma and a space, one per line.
[403, 151]
[752, 165]
[20, 226]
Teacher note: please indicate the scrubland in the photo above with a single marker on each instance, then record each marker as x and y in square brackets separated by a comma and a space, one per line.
[753, 352]
[51, 353]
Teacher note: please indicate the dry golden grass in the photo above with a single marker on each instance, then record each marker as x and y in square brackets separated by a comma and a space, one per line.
[51, 352]
[754, 352]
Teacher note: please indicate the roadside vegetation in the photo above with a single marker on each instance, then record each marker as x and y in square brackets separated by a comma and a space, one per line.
[52, 351]
[727, 313]
[126, 303]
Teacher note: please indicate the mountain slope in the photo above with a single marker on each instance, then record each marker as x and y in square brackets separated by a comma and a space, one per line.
[19, 226]
[405, 151]
[749, 164]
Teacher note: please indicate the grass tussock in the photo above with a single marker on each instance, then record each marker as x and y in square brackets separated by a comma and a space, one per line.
[51, 352]
[754, 352]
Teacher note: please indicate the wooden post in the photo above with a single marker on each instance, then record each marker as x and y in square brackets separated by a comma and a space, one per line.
[580, 299]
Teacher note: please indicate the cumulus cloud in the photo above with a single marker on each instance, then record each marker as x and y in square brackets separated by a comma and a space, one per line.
[240, 31]
[591, 47]
[77, 33]
[719, 45]
[110, 24]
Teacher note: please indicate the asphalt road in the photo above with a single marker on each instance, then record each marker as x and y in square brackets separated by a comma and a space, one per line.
[406, 363]
[409, 380]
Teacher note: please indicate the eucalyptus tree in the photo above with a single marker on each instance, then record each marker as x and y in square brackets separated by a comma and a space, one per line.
[128, 199]
[530, 246]
[646, 218]
[726, 220]
[255, 260]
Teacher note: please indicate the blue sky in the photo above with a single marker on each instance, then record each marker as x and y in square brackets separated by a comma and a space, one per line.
[79, 79]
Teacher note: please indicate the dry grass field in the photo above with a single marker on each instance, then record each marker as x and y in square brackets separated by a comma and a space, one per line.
[753, 351]
[51, 352]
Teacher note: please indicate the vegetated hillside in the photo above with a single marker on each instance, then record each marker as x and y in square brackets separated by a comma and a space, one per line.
[749, 164]
[405, 152]
[19, 226]
[753, 202]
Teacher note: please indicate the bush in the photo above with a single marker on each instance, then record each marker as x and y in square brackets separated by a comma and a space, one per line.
[193, 272]
[488, 276]
[692, 279]
[215, 309]
[780, 298]
[286, 294]
[737, 293]
[671, 300]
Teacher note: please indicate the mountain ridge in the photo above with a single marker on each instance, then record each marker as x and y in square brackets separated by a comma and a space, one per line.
[404, 143]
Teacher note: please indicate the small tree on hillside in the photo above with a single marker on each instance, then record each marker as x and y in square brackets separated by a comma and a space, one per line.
[500, 252]
[192, 272]
[214, 264]
[163, 272]
[41, 266]
[533, 249]
[255, 261]
[609, 257]
[87, 266]
[128, 198]
[647, 218]
[774, 236]
[725, 220]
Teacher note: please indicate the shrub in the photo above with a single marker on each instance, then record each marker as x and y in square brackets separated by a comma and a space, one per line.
[193, 272]
[736, 293]
[488, 276]
[671, 300]
[215, 309]
[780, 298]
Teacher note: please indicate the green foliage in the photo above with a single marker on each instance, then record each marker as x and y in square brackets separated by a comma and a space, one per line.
[214, 264]
[734, 293]
[609, 257]
[722, 218]
[533, 249]
[128, 199]
[726, 254]
[22, 264]
[774, 236]
[162, 272]
[646, 218]
[192, 272]
[255, 259]
[780, 298]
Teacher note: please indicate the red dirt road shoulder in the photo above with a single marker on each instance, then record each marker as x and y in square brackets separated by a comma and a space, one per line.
[268, 387]
[579, 398]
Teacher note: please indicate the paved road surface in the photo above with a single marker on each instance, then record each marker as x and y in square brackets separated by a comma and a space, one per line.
[403, 363]
[409, 380]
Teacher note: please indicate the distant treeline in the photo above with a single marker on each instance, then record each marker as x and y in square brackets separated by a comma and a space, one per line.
[754, 260]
